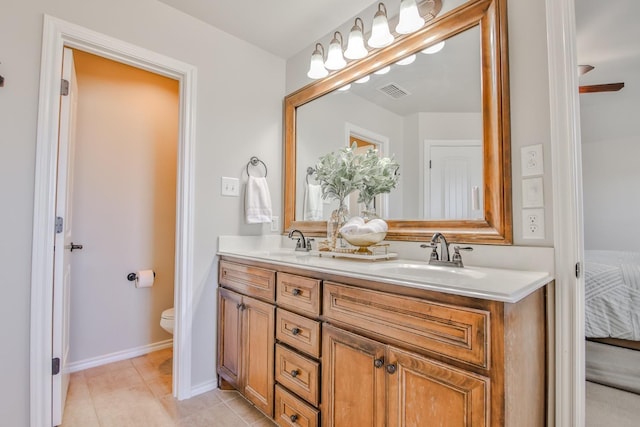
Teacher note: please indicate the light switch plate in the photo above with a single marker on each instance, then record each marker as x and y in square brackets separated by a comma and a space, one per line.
[532, 162]
[230, 186]
[275, 223]
[532, 193]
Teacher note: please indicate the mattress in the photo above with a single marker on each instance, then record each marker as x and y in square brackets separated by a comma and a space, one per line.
[612, 294]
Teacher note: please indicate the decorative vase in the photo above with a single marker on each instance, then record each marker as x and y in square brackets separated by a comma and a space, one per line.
[337, 219]
[369, 211]
[366, 230]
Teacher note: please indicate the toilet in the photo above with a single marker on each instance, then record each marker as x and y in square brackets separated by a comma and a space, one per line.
[167, 320]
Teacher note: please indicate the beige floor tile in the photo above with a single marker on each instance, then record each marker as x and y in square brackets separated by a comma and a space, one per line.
[225, 395]
[161, 387]
[245, 410]
[151, 369]
[136, 407]
[123, 379]
[78, 388]
[264, 422]
[180, 409]
[218, 415]
[80, 414]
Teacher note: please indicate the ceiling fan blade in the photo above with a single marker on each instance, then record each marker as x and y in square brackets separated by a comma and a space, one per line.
[611, 87]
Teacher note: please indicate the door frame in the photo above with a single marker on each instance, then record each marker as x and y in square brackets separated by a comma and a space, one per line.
[568, 240]
[56, 35]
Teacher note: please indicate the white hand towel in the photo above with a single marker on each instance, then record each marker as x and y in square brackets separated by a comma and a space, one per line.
[257, 203]
[313, 202]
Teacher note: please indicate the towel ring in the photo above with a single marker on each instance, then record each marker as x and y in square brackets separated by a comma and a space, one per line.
[310, 171]
[254, 162]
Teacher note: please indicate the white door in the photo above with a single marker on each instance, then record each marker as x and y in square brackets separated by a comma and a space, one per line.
[456, 182]
[63, 244]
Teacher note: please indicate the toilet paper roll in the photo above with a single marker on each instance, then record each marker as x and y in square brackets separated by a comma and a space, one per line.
[144, 279]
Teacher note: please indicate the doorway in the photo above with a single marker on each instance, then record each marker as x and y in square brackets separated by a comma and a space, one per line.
[57, 34]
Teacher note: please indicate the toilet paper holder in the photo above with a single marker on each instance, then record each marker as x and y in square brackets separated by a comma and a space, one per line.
[133, 276]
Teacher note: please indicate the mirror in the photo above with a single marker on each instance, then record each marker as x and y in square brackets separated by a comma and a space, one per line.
[457, 107]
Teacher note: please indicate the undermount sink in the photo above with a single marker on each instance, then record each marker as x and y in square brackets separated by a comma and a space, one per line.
[426, 271]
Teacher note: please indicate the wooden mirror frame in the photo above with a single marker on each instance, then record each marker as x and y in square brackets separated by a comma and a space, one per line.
[496, 227]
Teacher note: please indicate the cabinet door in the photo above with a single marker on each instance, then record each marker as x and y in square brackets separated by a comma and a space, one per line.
[423, 392]
[258, 330]
[229, 336]
[353, 380]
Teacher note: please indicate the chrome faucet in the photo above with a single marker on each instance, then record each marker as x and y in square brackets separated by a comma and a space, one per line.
[303, 244]
[443, 259]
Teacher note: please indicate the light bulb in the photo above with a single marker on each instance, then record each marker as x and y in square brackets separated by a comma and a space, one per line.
[434, 49]
[335, 60]
[384, 70]
[408, 60]
[380, 34]
[355, 45]
[345, 87]
[316, 67]
[410, 19]
[363, 79]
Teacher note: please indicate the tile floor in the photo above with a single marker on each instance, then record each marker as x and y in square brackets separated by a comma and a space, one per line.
[137, 393]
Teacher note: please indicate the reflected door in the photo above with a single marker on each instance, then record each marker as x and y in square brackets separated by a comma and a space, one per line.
[455, 182]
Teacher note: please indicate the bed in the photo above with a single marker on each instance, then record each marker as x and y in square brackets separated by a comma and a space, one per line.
[612, 318]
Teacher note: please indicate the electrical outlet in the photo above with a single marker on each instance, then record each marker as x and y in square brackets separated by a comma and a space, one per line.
[532, 162]
[533, 223]
[230, 187]
[275, 223]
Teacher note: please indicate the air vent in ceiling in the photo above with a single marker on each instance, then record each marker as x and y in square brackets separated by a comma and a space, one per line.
[393, 90]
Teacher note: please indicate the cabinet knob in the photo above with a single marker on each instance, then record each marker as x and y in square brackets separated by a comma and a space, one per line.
[295, 331]
[293, 418]
[391, 368]
[295, 373]
[241, 306]
[296, 292]
[378, 362]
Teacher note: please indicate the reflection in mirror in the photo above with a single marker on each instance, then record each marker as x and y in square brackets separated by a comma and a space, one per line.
[428, 114]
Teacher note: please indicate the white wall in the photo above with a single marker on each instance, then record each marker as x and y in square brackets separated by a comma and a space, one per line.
[529, 95]
[610, 152]
[239, 114]
[124, 210]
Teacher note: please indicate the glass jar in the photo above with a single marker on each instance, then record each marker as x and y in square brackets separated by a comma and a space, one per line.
[337, 219]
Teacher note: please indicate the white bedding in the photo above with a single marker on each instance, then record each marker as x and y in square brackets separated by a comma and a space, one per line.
[612, 294]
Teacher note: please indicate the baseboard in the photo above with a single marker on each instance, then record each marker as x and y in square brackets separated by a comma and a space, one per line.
[204, 387]
[118, 356]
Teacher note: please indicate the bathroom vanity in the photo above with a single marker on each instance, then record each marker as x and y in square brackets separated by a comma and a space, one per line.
[315, 341]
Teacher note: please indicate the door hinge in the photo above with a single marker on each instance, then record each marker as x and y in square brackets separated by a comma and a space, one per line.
[429, 164]
[64, 87]
[578, 270]
[59, 224]
[55, 366]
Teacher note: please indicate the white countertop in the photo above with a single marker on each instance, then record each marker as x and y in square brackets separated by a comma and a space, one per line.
[497, 284]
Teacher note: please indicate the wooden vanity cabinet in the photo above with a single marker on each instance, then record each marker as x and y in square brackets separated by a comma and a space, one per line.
[353, 352]
[246, 331]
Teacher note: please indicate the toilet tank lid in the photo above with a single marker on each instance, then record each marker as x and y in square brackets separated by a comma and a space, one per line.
[169, 313]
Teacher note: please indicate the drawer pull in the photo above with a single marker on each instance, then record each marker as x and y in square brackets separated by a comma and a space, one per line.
[295, 373]
[378, 362]
[295, 331]
[293, 418]
[295, 292]
[391, 368]
[241, 306]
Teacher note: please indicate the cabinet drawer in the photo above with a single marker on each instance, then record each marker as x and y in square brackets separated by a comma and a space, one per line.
[298, 373]
[298, 293]
[455, 332]
[248, 280]
[298, 331]
[293, 412]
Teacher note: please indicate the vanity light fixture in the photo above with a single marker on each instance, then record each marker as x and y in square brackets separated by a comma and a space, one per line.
[363, 79]
[335, 60]
[384, 70]
[408, 60]
[316, 68]
[380, 34]
[410, 19]
[434, 48]
[355, 45]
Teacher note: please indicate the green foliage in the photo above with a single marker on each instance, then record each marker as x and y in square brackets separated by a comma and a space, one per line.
[343, 171]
